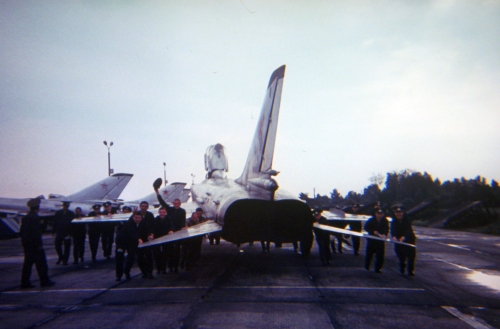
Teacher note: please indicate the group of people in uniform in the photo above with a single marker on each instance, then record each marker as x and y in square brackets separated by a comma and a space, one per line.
[65, 233]
[143, 226]
[399, 229]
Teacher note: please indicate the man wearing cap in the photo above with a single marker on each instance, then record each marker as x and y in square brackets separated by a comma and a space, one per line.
[78, 232]
[356, 227]
[401, 230]
[62, 231]
[31, 240]
[94, 232]
[378, 226]
[322, 239]
[108, 232]
[126, 210]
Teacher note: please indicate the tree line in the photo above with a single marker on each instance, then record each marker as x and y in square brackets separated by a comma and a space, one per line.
[411, 188]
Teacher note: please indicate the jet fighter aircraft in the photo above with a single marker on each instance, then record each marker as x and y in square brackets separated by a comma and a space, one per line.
[250, 208]
[107, 189]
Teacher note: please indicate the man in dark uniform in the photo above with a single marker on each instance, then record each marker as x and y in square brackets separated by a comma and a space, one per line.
[322, 239]
[161, 228]
[377, 225]
[147, 215]
[94, 232]
[127, 240]
[201, 219]
[178, 216]
[31, 240]
[337, 236]
[108, 232]
[78, 231]
[124, 210]
[62, 231]
[191, 247]
[146, 228]
[356, 227]
[401, 230]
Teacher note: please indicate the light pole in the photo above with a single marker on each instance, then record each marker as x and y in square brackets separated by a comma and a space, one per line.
[109, 157]
[165, 173]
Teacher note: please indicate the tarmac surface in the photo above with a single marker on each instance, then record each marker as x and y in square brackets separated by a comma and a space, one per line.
[457, 285]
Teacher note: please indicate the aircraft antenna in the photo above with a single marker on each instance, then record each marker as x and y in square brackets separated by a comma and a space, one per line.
[165, 173]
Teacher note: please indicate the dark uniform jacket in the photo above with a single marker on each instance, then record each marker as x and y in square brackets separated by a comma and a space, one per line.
[403, 228]
[131, 232]
[321, 234]
[62, 224]
[355, 225]
[373, 225]
[162, 226]
[147, 219]
[178, 215]
[30, 231]
[79, 228]
[94, 228]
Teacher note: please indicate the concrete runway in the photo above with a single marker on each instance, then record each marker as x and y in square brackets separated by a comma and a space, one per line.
[457, 285]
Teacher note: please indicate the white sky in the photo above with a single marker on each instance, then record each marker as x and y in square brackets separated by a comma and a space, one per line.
[370, 87]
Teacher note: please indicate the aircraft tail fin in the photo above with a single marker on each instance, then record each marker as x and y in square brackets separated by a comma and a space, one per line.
[172, 192]
[109, 188]
[184, 197]
[169, 193]
[258, 169]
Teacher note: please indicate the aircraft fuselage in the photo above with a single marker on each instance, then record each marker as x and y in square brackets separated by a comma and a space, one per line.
[248, 213]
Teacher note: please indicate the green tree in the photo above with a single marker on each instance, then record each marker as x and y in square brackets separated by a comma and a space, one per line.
[353, 197]
[371, 194]
[336, 197]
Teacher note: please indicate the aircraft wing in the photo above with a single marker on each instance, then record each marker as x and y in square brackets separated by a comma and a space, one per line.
[334, 214]
[12, 223]
[7, 211]
[102, 219]
[361, 235]
[195, 230]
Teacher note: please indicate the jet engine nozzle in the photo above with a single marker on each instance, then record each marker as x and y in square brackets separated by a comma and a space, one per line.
[267, 184]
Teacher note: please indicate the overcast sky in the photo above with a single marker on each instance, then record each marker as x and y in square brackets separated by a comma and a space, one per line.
[370, 87]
